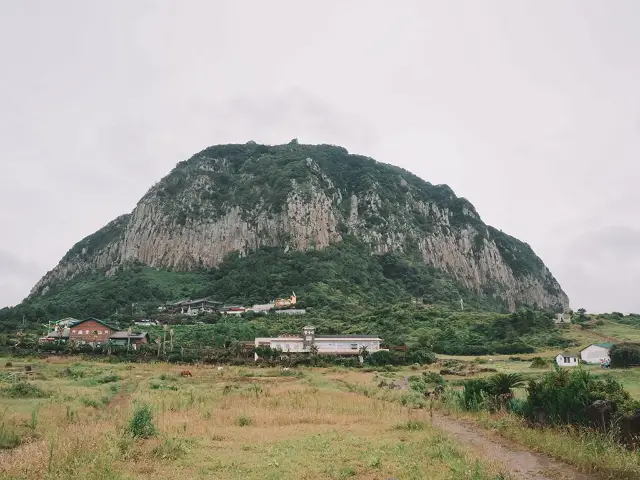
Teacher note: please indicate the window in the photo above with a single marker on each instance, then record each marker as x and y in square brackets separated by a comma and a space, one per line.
[354, 346]
[567, 360]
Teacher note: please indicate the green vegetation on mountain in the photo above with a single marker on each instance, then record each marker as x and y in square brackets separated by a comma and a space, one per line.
[344, 277]
[260, 176]
[436, 328]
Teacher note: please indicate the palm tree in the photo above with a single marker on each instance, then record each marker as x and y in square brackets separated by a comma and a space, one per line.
[502, 384]
[94, 339]
[164, 340]
[235, 348]
[159, 342]
[58, 330]
[171, 333]
[129, 332]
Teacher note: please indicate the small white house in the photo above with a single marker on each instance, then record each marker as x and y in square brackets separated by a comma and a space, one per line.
[566, 359]
[596, 353]
[562, 319]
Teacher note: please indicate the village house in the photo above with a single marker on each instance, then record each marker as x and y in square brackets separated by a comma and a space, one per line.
[191, 307]
[133, 339]
[91, 330]
[325, 344]
[232, 310]
[94, 332]
[567, 359]
[597, 353]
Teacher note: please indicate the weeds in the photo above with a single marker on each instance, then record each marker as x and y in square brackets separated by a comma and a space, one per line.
[108, 379]
[72, 373]
[411, 426]
[33, 423]
[244, 421]
[24, 390]
[90, 402]
[71, 414]
[171, 449]
[161, 386]
[8, 438]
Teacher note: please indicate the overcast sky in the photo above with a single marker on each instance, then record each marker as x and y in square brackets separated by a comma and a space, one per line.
[530, 109]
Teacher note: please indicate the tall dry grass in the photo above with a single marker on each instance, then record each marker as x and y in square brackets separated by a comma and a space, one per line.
[235, 423]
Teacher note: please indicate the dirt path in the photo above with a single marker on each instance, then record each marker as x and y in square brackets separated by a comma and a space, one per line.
[522, 464]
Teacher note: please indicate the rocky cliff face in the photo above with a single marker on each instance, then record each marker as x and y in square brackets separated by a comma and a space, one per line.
[241, 197]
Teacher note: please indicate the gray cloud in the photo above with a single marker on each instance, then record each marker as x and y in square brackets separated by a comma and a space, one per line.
[529, 109]
[16, 275]
[605, 260]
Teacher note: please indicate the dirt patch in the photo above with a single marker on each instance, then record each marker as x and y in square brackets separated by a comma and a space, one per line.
[522, 464]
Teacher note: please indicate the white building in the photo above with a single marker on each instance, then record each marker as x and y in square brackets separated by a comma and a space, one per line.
[596, 353]
[566, 359]
[563, 318]
[325, 344]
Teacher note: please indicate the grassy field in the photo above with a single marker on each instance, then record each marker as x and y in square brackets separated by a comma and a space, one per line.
[588, 451]
[74, 420]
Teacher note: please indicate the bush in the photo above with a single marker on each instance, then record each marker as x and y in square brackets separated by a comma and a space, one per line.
[433, 378]
[562, 397]
[24, 390]
[141, 424]
[72, 373]
[474, 393]
[625, 355]
[538, 362]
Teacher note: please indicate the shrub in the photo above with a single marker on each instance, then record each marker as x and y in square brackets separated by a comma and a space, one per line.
[24, 390]
[72, 373]
[433, 378]
[538, 362]
[625, 355]
[562, 397]
[141, 424]
[474, 393]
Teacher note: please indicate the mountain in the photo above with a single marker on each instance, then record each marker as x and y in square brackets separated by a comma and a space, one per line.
[312, 203]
